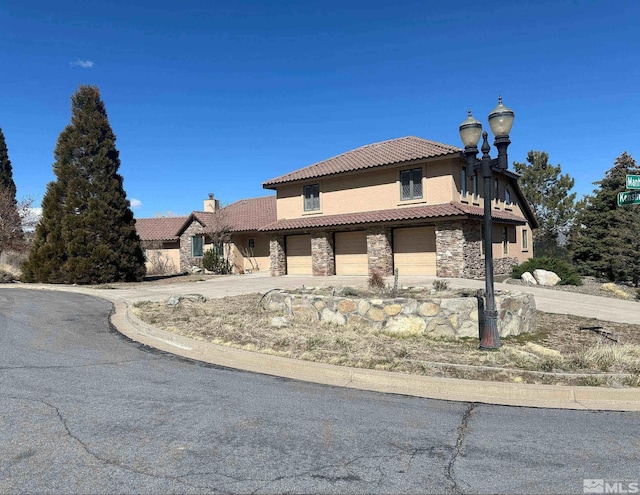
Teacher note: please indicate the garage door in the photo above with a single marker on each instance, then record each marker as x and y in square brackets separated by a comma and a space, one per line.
[351, 253]
[299, 255]
[414, 250]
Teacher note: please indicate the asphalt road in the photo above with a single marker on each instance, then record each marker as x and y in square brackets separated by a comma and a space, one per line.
[84, 410]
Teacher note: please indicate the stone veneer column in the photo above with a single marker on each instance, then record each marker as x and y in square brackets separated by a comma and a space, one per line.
[186, 260]
[379, 251]
[323, 261]
[473, 256]
[277, 255]
[450, 249]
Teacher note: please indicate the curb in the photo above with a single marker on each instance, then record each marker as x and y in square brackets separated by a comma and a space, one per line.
[450, 389]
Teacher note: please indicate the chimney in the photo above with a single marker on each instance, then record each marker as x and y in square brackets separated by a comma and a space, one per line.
[211, 204]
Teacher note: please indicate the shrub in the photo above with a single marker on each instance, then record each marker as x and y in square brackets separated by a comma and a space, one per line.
[376, 281]
[567, 273]
[216, 263]
[441, 284]
[6, 277]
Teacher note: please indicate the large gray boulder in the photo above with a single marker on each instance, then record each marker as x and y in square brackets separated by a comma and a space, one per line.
[544, 277]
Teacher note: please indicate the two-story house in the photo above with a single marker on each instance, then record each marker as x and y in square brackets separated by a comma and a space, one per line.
[408, 204]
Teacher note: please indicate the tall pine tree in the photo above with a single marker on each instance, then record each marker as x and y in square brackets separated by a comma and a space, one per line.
[547, 191]
[87, 232]
[604, 240]
[6, 171]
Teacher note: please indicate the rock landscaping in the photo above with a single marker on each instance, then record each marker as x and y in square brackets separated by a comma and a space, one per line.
[451, 313]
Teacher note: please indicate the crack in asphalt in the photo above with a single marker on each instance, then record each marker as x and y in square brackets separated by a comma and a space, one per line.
[88, 451]
[458, 450]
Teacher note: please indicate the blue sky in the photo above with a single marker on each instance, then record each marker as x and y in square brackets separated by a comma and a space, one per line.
[209, 96]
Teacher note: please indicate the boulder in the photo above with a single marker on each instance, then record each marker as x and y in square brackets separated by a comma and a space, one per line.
[528, 278]
[279, 322]
[545, 277]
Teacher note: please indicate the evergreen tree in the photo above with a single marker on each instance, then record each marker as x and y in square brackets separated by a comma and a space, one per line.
[87, 231]
[6, 171]
[547, 191]
[604, 241]
[11, 234]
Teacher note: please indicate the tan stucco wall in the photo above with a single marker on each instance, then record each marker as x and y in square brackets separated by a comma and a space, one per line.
[259, 261]
[163, 261]
[371, 190]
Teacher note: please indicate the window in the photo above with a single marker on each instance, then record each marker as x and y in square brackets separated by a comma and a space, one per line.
[311, 197]
[411, 184]
[496, 188]
[525, 240]
[197, 246]
[505, 240]
[251, 243]
[463, 182]
[507, 196]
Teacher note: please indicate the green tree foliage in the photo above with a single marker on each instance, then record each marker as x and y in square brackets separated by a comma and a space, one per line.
[604, 240]
[547, 191]
[87, 231]
[11, 234]
[6, 171]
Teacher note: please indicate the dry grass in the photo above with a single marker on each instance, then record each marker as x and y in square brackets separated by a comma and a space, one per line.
[557, 353]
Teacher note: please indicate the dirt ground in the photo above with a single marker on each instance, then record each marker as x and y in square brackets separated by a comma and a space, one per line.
[558, 352]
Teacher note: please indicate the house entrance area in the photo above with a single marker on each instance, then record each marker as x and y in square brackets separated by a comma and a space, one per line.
[414, 250]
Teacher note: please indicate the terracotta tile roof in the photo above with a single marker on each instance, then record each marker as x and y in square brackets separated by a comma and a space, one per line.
[369, 156]
[241, 216]
[250, 214]
[442, 211]
[159, 229]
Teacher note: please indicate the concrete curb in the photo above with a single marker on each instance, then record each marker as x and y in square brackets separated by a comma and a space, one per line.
[498, 393]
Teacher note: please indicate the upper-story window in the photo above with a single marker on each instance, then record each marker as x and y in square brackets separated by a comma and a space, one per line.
[507, 196]
[311, 197]
[496, 188]
[411, 184]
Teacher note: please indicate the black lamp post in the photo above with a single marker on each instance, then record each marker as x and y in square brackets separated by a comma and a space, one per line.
[500, 121]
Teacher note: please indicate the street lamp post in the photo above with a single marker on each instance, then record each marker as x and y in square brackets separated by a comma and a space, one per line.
[500, 121]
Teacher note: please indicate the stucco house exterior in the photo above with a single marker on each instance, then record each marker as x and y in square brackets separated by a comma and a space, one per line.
[176, 244]
[409, 204]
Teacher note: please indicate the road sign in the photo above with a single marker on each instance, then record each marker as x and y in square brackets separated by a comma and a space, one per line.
[629, 198]
[633, 181]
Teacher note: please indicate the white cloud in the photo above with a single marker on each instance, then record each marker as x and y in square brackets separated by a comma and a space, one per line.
[135, 203]
[85, 64]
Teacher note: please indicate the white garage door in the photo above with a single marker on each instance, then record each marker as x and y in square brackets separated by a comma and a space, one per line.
[351, 253]
[299, 255]
[414, 250]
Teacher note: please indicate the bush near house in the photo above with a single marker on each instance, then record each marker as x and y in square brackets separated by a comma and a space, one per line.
[215, 262]
[567, 273]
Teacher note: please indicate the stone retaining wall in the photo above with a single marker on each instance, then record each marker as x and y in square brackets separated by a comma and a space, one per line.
[450, 314]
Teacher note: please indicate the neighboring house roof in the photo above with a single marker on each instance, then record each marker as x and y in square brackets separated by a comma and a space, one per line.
[159, 229]
[442, 211]
[241, 216]
[372, 155]
[250, 214]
